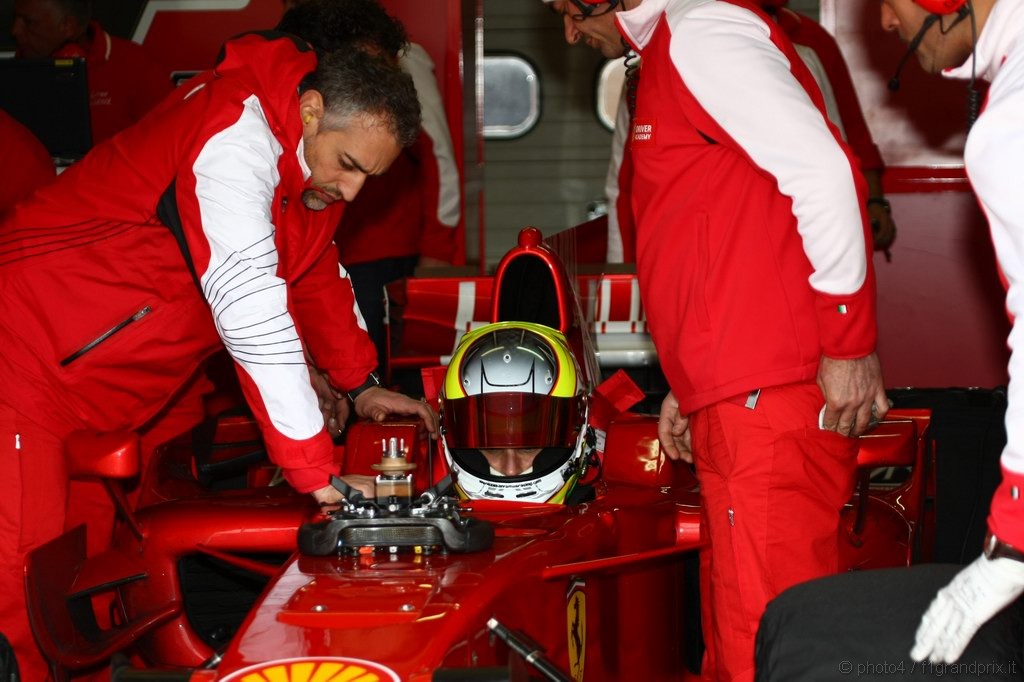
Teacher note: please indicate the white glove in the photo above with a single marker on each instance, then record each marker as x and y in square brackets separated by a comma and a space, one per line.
[975, 594]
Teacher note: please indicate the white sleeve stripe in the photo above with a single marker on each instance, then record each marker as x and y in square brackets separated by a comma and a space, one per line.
[769, 114]
[230, 269]
[226, 287]
[217, 297]
[237, 299]
[256, 336]
[236, 180]
[215, 274]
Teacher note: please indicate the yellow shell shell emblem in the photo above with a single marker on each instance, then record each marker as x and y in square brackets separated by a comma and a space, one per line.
[321, 669]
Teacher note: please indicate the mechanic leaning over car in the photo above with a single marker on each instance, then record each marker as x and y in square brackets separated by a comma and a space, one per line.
[209, 223]
[753, 257]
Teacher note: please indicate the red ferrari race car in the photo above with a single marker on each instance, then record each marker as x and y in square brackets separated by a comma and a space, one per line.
[544, 536]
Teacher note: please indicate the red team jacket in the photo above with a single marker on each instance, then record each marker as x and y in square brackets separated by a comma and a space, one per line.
[27, 165]
[102, 320]
[752, 242]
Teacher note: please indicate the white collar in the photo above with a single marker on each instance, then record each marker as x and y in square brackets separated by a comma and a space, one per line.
[638, 24]
[301, 154]
[1002, 30]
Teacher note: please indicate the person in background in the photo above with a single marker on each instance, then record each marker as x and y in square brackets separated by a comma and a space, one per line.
[125, 82]
[408, 216]
[115, 285]
[822, 55]
[753, 258]
[24, 163]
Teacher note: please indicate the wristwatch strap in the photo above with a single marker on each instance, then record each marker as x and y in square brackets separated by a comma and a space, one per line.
[997, 549]
[371, 381]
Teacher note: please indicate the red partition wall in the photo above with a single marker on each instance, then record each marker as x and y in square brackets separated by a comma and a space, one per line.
[187, 34]
[942, 320]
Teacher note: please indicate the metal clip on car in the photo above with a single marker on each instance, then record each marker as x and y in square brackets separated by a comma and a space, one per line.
[394, 482]
[392, 521]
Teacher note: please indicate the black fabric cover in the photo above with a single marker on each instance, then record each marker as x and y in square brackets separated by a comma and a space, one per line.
[861, 625]
[8, 663]
[969, 436]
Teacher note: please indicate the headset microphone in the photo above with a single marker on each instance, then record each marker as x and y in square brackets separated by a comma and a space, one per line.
[894, 82]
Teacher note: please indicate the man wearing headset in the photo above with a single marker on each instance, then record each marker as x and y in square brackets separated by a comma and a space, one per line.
[874, 614]
[821, 53]
[753, 256]
[983, 39]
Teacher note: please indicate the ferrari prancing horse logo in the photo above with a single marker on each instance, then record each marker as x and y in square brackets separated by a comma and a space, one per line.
[576, 622]
[319, 669]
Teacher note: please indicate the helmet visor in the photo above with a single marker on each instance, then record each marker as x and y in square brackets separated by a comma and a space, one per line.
[512, 420]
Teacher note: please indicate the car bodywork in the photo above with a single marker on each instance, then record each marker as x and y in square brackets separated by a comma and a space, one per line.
[594, 591]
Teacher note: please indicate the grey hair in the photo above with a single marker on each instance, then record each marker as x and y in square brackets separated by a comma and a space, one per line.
[353, 83]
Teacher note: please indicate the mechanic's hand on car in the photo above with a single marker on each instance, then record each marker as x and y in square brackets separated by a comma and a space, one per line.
[674, 430]
[974, 595]
[854, 393]
[379, 403]
[331, 495]
[333, 403]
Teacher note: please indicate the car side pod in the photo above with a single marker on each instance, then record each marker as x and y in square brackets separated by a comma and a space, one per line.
[885, 524]
[60, 582]
[110, 457]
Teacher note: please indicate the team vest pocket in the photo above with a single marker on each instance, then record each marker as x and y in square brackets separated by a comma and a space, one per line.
[131, 364]
[106, 335]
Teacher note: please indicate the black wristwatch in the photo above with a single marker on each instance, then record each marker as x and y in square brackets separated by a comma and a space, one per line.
[880, 201]
[997, 549]
[371, 381]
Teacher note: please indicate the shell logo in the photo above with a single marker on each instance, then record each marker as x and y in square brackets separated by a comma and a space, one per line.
[320, 669]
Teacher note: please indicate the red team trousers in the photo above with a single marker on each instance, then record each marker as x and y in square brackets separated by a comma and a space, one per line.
[38, 503]
[772, 487]
[35, 484]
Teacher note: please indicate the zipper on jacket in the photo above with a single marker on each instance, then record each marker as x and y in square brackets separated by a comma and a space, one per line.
[105, 335]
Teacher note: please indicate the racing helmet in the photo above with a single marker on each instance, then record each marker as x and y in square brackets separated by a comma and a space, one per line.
[515, 385]
[941, 6]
